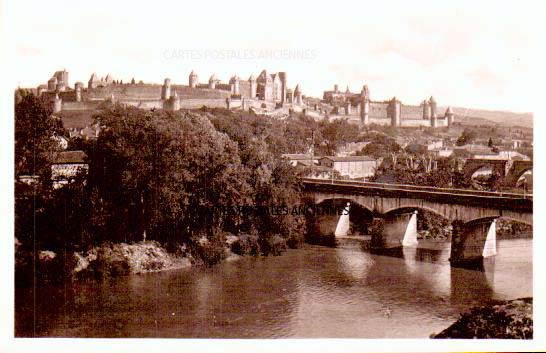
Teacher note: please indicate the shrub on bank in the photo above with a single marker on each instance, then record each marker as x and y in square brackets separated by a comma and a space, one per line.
[209, 250]
[509, 319]
[274, 245]
[247, 244]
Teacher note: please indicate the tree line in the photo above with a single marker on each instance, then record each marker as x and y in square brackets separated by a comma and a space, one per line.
[149, 171]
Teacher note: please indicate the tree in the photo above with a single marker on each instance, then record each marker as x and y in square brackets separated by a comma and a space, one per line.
[35, 127]
[167, 171]
[490, 142]
[467, 136]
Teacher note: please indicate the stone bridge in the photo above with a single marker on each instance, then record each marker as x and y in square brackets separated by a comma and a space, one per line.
[472, 213]
[509, 170]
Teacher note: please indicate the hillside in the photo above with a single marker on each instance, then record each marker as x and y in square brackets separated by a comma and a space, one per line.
[500, 117]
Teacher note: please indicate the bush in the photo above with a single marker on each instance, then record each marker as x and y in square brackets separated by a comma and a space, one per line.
[295, 240]
[210, 250]
[275, 245]
[247, 244]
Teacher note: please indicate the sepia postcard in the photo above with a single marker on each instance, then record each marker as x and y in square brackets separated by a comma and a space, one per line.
[271, 176]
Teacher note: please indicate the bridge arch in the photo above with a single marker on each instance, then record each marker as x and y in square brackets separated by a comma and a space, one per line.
[519, 174]
[351, 199]
[438, 212]
[492, 218]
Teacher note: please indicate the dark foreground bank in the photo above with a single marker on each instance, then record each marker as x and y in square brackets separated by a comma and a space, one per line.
[501, 319]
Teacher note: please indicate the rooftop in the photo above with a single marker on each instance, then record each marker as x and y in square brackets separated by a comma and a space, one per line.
[349, 158]
[298, 156]
[70, 157]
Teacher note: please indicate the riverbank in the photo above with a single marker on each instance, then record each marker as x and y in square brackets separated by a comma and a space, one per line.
[512, 319]
[115, 259]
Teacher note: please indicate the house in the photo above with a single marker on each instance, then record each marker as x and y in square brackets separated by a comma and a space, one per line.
[67, 165]
[300, 158]
[351, 166]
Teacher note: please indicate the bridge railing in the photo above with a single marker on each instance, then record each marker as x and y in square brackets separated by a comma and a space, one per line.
[406, 187]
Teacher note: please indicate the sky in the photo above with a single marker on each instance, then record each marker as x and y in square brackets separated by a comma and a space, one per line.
[464, 54]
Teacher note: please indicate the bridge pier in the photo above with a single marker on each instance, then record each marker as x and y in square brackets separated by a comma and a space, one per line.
[398, 230]
[472, 242]
[343, 224]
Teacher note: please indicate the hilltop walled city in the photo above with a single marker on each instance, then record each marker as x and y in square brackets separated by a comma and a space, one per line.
[266, 93]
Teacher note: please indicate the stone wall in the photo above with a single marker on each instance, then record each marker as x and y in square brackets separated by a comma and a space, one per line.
[378, 110]
[90, 105]
[150, 92]
[411, 112]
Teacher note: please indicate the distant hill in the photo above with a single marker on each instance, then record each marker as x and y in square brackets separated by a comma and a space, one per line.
[503, 118]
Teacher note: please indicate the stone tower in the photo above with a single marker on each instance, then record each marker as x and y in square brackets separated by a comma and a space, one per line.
[252, 83]
[193, 79]
[365, 106]
[78, 88]
[450, 117]
[234, 85]
[283, 78]
[93, 81]
[433, 116]
[394, 112]
[348, 108]
[52, 84]
[297, 96]
[172, 103]
[166, 89]
[426, 110]
[62, 78]
[212, 81]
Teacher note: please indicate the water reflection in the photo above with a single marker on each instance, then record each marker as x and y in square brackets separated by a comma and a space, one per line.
[317, 291]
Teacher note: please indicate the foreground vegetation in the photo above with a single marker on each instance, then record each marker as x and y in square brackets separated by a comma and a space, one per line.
[506, 319]
[162, 176]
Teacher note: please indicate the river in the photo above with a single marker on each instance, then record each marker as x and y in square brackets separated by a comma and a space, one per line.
[316, 291]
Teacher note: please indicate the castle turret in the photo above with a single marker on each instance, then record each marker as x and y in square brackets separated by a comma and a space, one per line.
[193, 79]
[252, 83]
[109, 79]
[297, 95]
[365, 92]
[172, 103]
[348, 107]
[166, 89]
[426, 110]
[433, 116]
[336, 88]
[52, 84]
[62, 77]
[433, 107]
[394, 112]
[283, 78]
[93, 81]
[78, 89]
[450, 116]
[213, 80]
[364, 108]
[234, 84]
